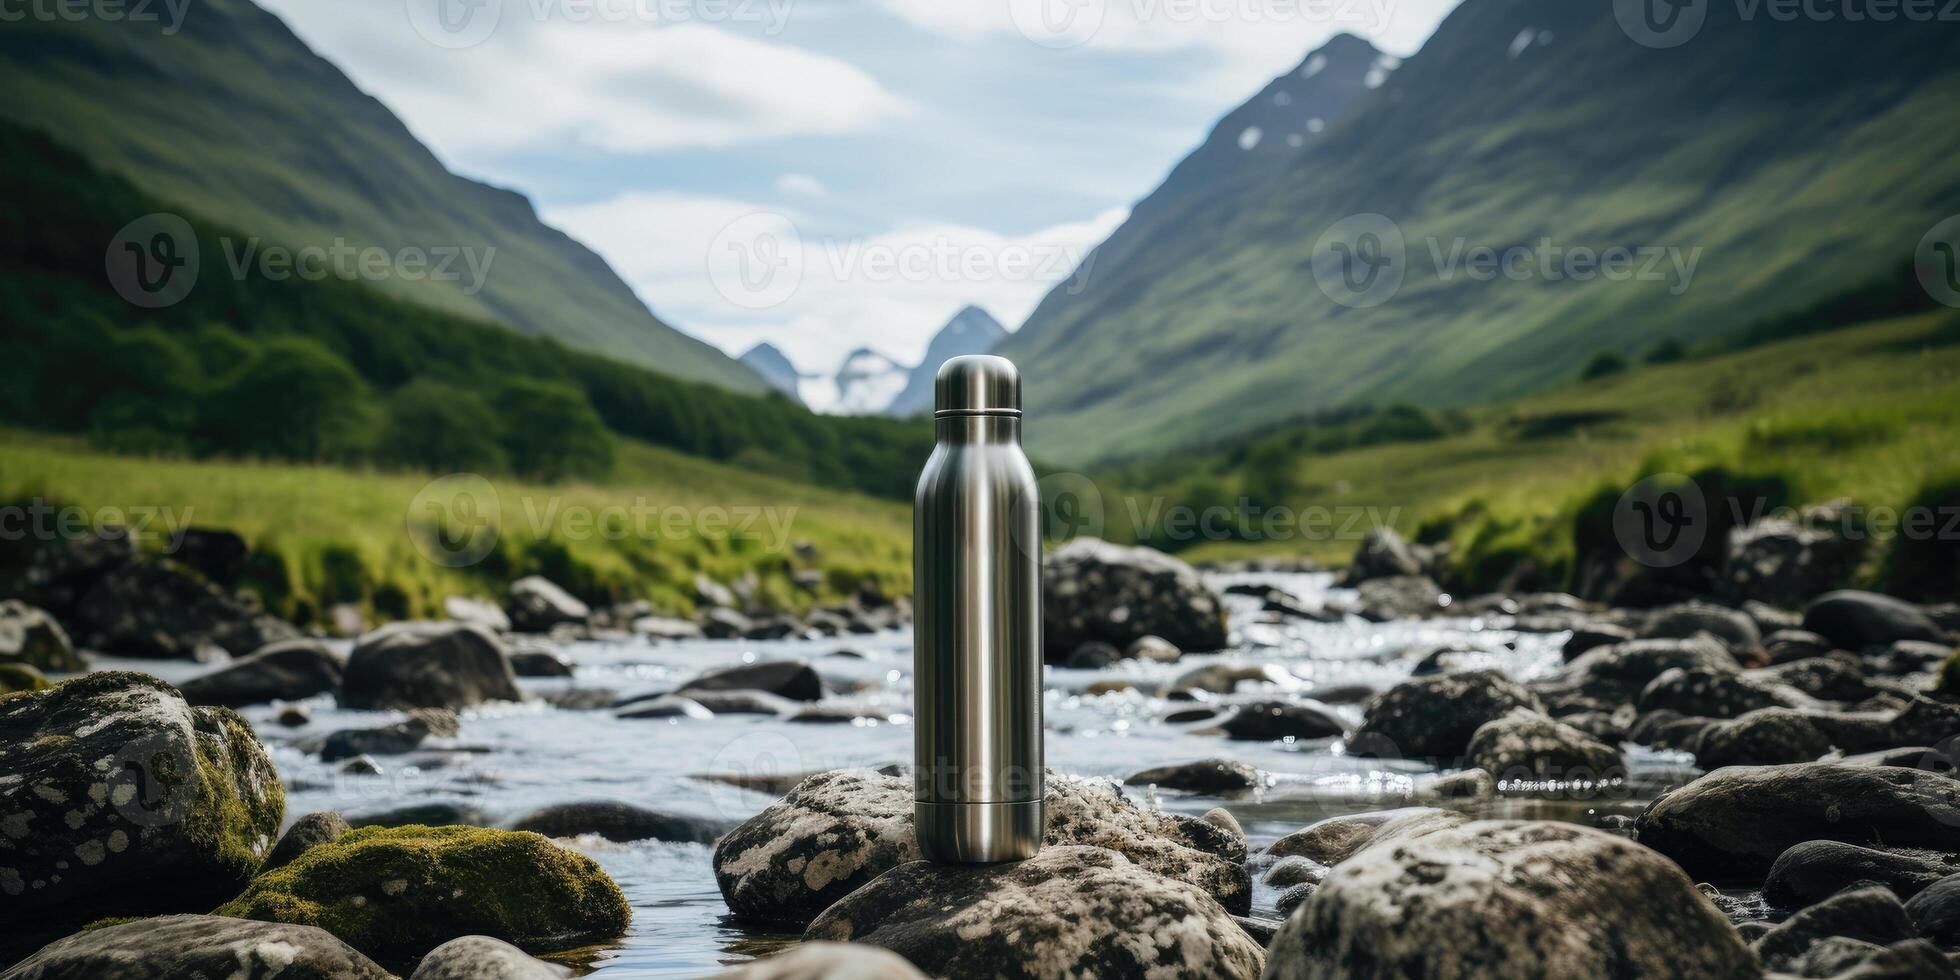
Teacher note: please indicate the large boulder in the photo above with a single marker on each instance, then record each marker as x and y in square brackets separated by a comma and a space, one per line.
[792, 679]
[537, 604]
[1434, 717]
[1785, 562]
[286, 671]
[1070, 911]
[215, 553]
[482, 612]
[838, 830]
[30, 636]
[198, 947]
[484, 958]
[1503, 899]
[1815, 870]
[1525, 745]
[160, 609]
[118, 798]
[1733, 823]
[1855, 620]
[428, 665]
[397, 893]
[1870, 915]
[1094, 590]
[1764, 737]
[1936, 911]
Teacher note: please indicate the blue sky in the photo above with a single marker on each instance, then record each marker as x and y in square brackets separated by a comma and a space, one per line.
[916, 155]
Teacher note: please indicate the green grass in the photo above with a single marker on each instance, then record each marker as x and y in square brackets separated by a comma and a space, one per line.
[325, 534]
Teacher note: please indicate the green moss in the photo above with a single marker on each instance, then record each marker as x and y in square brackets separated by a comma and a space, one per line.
[396, 893]
[19, 679]
[237, 828]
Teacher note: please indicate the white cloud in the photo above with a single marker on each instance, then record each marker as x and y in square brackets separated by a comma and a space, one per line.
[891, 291]
[800, 185]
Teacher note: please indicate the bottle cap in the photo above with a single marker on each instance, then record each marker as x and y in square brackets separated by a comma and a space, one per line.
[977, 384]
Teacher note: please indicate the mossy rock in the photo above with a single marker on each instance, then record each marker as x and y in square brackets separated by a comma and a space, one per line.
[397, 893]
[19, 679]
[30, 636]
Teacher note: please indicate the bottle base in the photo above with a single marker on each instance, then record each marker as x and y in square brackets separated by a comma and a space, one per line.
[979, 833]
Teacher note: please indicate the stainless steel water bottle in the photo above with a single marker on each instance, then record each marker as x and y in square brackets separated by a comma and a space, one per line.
[976, 553]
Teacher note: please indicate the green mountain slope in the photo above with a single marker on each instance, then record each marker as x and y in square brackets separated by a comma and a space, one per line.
[1796, 157]
[236, 120]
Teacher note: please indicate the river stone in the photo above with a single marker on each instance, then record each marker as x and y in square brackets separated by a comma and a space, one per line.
[1526, 745]
[536, 604]
[1093, 655]
[1815, 870]
[110, 785]
[838, 830]
[21, 678]
[1382, 554]
[1704, 693]
[1153, 649]
[286, 671]
[30, 636]
[1592, 636]
[428, 665]
[792, 679]
[482, 612]
[1936, 911]
[1401, 597]
[621, 822]
[1795, 644]
[159, 609]
[1871, 915]
[1069, 911]
[829, 961]
[1094, 590]
[1435, 717]
[1208, 776]
[1784, 561]
[1679, 622]
[1855, 620]
[1335, 839]
[1508, 899]
[323, 827]
[1766, 737]
[436, 813]
[1735, 822]
[1266, 721]
[397, 893]
[1607, 677]
[401, 737]
[484, 958]
[1843, 958]
[198, 947]
[538, 663]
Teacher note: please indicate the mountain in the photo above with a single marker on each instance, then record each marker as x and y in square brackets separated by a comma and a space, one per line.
[1523, 126]
[235, 120]
[970, 331]
[866, 382]
[774, 366]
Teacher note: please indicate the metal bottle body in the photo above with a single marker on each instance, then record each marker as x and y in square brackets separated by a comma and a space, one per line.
[977, 644]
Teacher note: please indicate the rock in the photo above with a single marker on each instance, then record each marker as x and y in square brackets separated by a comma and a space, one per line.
[1795, 644]
[1815, 870]
[838, 830]
[1383, 554]
[1684, 620]
[1402, 597]
[1508, 899]
[20, 678]
[1190, 715]
[622, 822]
[214, 553]
[1225, 678]
[345, 620]
[198, 947]
[665, 628]
[484, 958]
[1911, 657]
[111, 784]
[1765, 737]
[1093, 655]
[829, 961]
[1068, 911]
[1100, 688]
[1936, 911]
[743, 702]
[402, 736]
[1872, 915]
[290, 670]
[1704, 693]
[1435, 717]
[436, 814]
[1222, 818]
[1823, 678]
[537, 663]
[790, 679]
[428, 665]
[482, 612]
[397, 893]
[1266, 721]
[1335, 839]
[774, 628]
[1153, 649]
[1209, 776]
[1772, 618]
[1594, 636]
[536, 604]
[1094, 590]
[30, 636]
[159, 609]
[665, 706]
[725, 624]
[1289, 871]
[57, 576]
[294, 716]
[1786, 562]
[1607, 677]
[361, 765]
[312, 829]
[1470, 784]
[1855, 620]
[1524, 745]
[1735, 822]
[708, 592]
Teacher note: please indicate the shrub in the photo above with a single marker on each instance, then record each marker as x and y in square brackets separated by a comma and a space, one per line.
[550, 431]
[1667, 351]
[1927, 566]
[1604, 364]
[441, 428]
[293, 400]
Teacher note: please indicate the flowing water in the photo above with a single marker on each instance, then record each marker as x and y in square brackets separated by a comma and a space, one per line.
[511, 760]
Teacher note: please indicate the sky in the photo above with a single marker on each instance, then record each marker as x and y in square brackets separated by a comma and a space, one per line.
[830, 174]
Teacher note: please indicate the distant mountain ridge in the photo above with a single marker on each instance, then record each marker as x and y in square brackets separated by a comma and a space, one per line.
[971, 331]
[767, 360]
[1520, 122]
[235, 119]
[866, 382]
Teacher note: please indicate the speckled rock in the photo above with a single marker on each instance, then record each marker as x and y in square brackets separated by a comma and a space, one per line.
[830, 961]
[1785, 561]
[111, 783]
[1207, 776]
[1434, 717]
[1094, 590]
[286, 671]
[1525, 745]
[1765, 737]
[1704, 693]
[1815, 870]
[1508, 899]
[537, 604]
[30, 636]
[159, 609]
[1607, 677]
[838, 830]
[1070, 911]
[1733, 823]
[484, 958]
[1871, 915]
[199, 947]
[428, 665]
[397, 893]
